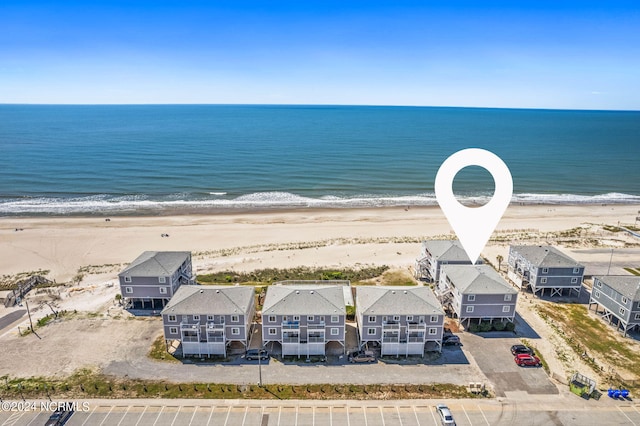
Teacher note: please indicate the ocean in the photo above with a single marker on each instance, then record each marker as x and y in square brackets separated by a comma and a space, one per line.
[153, 159]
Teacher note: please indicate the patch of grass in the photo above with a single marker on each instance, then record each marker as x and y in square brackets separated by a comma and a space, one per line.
[159, 352]
[271, 275]
[590, 338]
[88, 384]
[611, 228]
[397, 278]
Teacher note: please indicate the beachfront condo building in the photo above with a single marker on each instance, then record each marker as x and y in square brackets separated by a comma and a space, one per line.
[305, 319]
[434, 254]
[401, 320]
[476, 292]
[151, 280]
[544, 267]
[209, 320]
[617, 299]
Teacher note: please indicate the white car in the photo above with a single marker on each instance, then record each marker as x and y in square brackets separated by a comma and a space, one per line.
[445, 415]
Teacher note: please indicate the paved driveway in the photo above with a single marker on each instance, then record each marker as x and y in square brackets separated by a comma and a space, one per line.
[492, 353]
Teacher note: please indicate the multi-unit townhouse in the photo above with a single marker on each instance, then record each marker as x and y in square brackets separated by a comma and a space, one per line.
[152, 278]
[402, 320]
[304, 319]
[619, 297]
[209, 319]
[435, 253]
[544, 267]
[476, 292]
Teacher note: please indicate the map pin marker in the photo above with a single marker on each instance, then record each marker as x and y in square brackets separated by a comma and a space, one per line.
[473, 225]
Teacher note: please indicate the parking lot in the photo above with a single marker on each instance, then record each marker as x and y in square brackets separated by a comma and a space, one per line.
[351, 413]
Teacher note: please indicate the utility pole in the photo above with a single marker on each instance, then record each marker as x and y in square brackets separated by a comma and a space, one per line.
[259, 369]
[29, 313]
[610, 260]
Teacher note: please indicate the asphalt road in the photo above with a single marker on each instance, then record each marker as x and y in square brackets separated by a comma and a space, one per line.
[11, 317]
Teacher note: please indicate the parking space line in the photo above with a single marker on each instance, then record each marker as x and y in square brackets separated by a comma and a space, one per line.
[125, 415]
[89, 416]
[483, 416]
[226, 420]
[382, 415]
[348, 421]
[624, 414]
[195, 410]
[330, 416]
[465, 413]
[159, 414]
[142, 414]
[176, 416]
[634, 407]
[18, 415]
[415, 413]
[435, 422]
[279, 413]
[105, 417]
[297, 408]
[244, 418]
[399, 416]
[364, 410]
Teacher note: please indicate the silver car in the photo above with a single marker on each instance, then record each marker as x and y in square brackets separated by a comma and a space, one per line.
[445, 415]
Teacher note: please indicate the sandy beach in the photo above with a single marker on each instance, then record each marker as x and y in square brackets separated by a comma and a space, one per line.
[279, 239]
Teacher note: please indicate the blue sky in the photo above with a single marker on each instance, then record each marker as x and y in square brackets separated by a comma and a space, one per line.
[583, 55]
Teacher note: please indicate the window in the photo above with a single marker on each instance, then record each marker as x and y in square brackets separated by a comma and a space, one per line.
[624, 300]
[172, 318]
[296, 317]
[543, 280]
[469, 309]
[322, 319]
[173, 330]
[310, 318]
[576, 270]
[597, 293]
[433, 318]
[335, 331]
[599, 284]
[162, 280]
[284, 318]
[272, 318]
[371, 331]
[196, 317]
[421, 319]
[235, 318]
[574, 280]
[409, 318]
[396, 317]
[433, 331]
[272, 332]
[507, 298]
[163, 290]
[128, 290]
[384, 319]
[506, 308]
[334, 318]
[638, 316]
[638, 305]
[235, 331]
[471, 298]
[545, 270]
[127, 279]
[622, 311]
[209, 317]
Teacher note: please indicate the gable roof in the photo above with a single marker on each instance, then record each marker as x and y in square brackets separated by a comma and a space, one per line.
[304, 300]
[218, 300]
[397, 301]
[155, 263]
[477, 279]
[446, 250]
[626, 285]
[546, 257]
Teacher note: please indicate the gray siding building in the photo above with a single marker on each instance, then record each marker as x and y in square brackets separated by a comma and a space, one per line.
[152, 279]
[400, 319]
[476, 292]
[304, 318]
[208, 319]
[435, 253]
[544, 267]
[618, 296]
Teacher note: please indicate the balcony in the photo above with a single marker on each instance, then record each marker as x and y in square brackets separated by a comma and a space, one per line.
[291, 325]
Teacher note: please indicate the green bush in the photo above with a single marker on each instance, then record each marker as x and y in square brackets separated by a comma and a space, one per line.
[473, 328]
[499, 326]
[510, 326]
[484, 326]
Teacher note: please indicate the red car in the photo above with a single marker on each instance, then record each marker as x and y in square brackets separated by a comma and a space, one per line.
[526, 359]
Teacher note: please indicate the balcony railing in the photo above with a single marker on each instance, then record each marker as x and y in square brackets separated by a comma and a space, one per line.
[291, 339]
[291, 325]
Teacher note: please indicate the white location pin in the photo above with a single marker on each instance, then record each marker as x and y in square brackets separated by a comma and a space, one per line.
[473, 225]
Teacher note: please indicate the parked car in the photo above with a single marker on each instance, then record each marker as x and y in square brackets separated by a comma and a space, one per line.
[451, 340]
[446, 418]
[362, 356]
[527, 360]
[59, 417]
[521, 349]
[252, 354]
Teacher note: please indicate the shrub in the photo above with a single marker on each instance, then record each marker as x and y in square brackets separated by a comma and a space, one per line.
[485, 326]
[473, 328]
[510, 326]
[499, 326]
